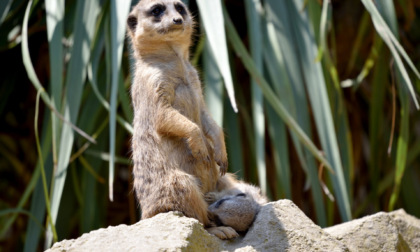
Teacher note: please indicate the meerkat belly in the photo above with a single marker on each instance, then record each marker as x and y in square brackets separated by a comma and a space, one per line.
[187, 102]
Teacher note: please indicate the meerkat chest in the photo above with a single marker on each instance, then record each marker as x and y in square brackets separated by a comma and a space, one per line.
[188, 97]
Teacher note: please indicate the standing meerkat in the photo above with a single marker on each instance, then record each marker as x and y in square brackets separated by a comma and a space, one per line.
[177, 147]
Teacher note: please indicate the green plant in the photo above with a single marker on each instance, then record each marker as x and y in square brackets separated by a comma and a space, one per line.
[301, 109]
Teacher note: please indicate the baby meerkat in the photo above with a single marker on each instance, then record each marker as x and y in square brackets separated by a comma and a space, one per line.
[235, 203]
[179, 151]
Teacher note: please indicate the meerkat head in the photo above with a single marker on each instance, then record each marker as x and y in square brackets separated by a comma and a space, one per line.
[157, 21]
[236, 211]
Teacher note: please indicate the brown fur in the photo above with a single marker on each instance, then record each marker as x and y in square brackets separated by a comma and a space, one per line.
[176, 144]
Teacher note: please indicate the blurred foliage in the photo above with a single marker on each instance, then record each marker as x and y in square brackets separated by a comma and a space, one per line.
[326, 99]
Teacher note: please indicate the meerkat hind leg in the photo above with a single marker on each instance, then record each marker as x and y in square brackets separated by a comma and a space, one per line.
[178, 191]
[187, 196]
[223, 232]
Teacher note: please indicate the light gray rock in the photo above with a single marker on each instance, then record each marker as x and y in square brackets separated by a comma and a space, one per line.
[282, 226]
[164, 232]
[279, 226]
[376, 232]
[408, 228]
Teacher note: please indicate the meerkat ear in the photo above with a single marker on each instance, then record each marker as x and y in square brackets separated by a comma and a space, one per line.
[132, 22]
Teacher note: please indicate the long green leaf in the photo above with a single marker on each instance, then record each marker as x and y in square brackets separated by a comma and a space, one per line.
[283, 66]
[4, 9]
[393, 45]
[323, 30]
[119, 14]
[410, 190]
[90, 219]
[31, 74]
[402, 150]
[276, 69]
[91, 180]
[123, 96]
[387, 10]
[278, 135]
[335, 94]
[315, 84]
[254, 13]
[34, 79]
[106, 157]
[214, 85]
[27, 58]
[367, 66]
[268, 92]
[22, 201]
[22, 211]
[43, 173]
[377, 122]
[413, 154]
[37, 206]
[84, 25]
[355, 52]
[55, 26]
[234, 141]
[93, 67]
[40, 209]
[277, 35]
[288, 82]
[212, 16]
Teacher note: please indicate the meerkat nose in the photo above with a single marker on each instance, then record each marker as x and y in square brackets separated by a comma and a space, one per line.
[177, 21]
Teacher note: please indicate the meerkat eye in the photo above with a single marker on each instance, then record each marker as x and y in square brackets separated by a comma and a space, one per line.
[157, 10]
[219, 203]
[180, 9]
[241, 195]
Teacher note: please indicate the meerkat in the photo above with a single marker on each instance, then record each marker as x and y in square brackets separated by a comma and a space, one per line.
[235, 203]
[178, 150]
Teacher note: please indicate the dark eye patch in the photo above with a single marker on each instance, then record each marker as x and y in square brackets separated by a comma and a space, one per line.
[181, 9]
[219, 203]
[157, 10]
[241, 195]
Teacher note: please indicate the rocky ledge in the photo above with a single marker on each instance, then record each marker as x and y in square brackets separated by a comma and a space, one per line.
[280, 226]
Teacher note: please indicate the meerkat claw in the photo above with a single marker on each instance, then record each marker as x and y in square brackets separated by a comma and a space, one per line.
[223, 168]
[210, 197]
[223, 233]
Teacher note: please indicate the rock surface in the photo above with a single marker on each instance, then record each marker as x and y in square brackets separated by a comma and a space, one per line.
[408, 228]
[372, 233]
[164, 232]
[280, 226]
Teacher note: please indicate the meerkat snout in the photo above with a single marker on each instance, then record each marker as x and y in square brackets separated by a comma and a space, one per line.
[178, 21]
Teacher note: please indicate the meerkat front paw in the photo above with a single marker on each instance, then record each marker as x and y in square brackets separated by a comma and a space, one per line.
[210, 197]
[198, 147]
[223, 233]
[221, 160]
